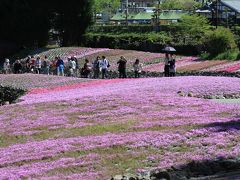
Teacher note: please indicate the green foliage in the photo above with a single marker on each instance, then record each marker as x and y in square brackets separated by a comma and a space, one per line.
[10, 94]
[220, 42]
[121, 29]
[129, 39]
[236, 32]
[188, 36]
[153, 41]
[106, 5]
[194, 27]
[161, 38]
[180, 4]
[228, 55]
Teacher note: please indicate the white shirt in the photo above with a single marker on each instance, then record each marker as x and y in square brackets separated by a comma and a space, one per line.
[104, 64]
[137, 67]
[6, 66]
[38, 63]
[72, 64]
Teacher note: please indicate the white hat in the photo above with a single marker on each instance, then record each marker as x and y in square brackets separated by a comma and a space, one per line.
[7, 60]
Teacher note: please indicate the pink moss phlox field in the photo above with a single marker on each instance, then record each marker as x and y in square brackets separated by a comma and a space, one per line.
[71, 51]
[80, 130]
[233, 68]
[228, 67]
[180, 62]
[30, 81]
[196, 85]
[39, 168]
[74, 86]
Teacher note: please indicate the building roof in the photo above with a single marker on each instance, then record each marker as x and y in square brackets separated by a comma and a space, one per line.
[171, 15]
[144, 16]
[122, 17]
[118, 17]
[166, 15]
[232, 4]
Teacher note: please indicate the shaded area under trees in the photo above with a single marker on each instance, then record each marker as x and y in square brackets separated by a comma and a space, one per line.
[26, 23]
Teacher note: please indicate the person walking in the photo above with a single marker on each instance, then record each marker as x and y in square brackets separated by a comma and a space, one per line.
[137, 67]
[60, 67]
[28, 64]
[6, 67]
[122, 63]
[32, 64]
[104, 65]
[46, 65]
[17, 67]
[38, 65]
[72, 67]
[53, 66]
[86, 70]
[70, 70]
[172, 66]
[96, 67]
[77, 69]
[167, 65]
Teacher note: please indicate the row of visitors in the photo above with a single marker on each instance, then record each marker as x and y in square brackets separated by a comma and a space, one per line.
[17, 67]
[99, 67]
[38, 65]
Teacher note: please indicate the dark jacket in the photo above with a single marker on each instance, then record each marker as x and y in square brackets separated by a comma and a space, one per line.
[122, 64]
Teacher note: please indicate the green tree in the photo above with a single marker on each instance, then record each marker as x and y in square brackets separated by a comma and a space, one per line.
[179, 4]
[194, 28]
[101, 6]
[219, 41]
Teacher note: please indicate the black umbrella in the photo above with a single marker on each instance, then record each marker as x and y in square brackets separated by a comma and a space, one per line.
[169, 49]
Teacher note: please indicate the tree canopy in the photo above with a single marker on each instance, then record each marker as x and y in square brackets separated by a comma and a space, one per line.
[101, 6]
[180, 4]
[26, 22]
[194, 27]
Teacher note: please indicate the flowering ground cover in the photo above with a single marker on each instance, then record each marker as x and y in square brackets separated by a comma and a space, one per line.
[180, 62]
[232, 67]
[100, 128]
[228, 66]
[71, 51]
[200, 65]
[29, 81]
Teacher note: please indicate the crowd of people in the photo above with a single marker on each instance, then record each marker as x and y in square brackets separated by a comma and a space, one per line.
[99, 68]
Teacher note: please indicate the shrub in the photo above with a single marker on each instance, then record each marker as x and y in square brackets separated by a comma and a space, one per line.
[9, 94]
[194, 28]
[228, 55]
[220, 41]
[153, 42]
[236, 32]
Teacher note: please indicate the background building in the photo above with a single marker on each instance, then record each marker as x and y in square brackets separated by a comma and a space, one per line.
[222, 12]
[137, 5]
